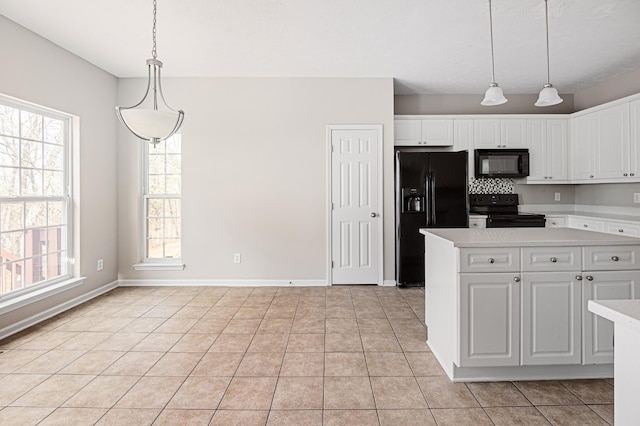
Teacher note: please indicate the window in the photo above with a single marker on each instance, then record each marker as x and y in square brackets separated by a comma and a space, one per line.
[34, 197]
[162, 200]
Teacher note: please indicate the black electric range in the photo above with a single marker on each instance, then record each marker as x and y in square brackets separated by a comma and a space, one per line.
[502, 211]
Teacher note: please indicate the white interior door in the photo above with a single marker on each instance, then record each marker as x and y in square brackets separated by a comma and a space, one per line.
[355, 224]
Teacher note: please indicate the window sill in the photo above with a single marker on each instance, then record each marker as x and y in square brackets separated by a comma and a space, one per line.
[23, 300]
[164, 266]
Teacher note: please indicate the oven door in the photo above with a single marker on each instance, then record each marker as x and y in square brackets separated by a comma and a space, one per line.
[516, 222]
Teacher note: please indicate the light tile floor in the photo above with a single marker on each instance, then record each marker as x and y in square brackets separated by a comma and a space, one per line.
[262, 355]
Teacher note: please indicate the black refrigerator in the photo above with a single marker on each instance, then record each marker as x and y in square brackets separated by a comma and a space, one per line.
[431, 192]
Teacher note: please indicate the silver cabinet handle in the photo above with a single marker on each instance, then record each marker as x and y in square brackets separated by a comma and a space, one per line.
[553, 259]
[516, 279]
[491, 260]
[591, 176]
[631, 174]
[625, 174]
[373, 215]
[589, 278]
[615, 258]
[620, 230]
[585, 225]
[579, 277]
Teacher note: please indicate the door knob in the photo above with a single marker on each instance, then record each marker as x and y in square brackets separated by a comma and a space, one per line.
[374, 214]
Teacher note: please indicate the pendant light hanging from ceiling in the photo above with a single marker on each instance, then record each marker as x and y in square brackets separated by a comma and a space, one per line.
[548, 95]
[493, 96]
[154, 120]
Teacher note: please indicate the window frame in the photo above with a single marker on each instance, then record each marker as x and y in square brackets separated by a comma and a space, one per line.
[67, 237]
[156, 263]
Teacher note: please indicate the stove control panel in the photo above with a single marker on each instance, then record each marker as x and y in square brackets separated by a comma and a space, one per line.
[493, 199]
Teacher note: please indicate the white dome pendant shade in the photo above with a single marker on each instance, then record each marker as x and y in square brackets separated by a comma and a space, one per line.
[151, 119]
[549, 94]
[493, 96]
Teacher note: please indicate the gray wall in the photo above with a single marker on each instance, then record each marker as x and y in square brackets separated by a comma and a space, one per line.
[609, 194]
[254, 167]
[36, 70]
[470, 104]
[545, 194]
[610, 90]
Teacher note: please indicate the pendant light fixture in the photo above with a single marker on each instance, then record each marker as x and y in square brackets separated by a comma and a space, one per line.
[548, 95]
[493, 96]
[151, 119]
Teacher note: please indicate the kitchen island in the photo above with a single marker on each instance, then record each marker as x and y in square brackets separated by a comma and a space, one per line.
[511, 303]
[625, 315]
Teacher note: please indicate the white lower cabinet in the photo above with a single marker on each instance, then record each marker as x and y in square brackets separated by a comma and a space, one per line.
[597, 338]
[489, 320]
[551, 318]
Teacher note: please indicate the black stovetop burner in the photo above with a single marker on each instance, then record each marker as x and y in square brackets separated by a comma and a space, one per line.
[502, 211]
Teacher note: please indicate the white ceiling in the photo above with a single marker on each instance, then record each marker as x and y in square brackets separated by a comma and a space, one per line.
[427, 46]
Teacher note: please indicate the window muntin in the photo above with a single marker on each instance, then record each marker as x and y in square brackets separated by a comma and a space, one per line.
[162, 203]
[34, 197]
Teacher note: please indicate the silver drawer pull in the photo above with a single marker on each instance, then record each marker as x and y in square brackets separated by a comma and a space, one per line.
[579, 277]
[516, 279]
[589, 278]
[553, 259]
[491, 260]
[615, 258]
[620, 230]
[585, 225]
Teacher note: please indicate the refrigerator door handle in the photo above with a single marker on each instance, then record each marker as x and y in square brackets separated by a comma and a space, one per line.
[432, 196]
[428, 200]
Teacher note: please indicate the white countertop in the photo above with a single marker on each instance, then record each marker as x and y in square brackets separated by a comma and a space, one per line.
[517, 237]
[623, 312]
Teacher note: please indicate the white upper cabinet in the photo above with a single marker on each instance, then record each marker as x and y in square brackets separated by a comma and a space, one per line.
[612, 142]
[582, 149]
[504, 133]
[634, 138]
[424, 132]
[602, 150]
[408, 132]
[463, 140]
[548, 150]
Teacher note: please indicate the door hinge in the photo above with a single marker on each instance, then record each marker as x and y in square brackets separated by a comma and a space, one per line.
[332, 206]
[331, 147]
[332, 264]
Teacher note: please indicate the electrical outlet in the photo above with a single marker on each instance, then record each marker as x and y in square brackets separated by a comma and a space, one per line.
[557, 196]
[100, 266]
[237, 258]
[636, 197]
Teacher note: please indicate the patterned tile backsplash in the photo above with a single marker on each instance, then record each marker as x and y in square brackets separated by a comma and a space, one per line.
[491, 186]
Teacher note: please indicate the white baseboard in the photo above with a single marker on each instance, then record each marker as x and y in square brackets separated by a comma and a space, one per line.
[222, 283]
[389, 283]
[55, 310]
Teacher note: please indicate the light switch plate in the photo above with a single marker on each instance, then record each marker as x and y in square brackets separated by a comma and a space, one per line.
[636, 197]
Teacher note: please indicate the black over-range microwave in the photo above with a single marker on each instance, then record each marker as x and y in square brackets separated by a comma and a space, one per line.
[506, 163]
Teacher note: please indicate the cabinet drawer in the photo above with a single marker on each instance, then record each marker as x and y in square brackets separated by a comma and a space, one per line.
[587, 224]
[551, 259]
[611, 258]
[622, 229]
[477, 222]
[556, 221]
[501, 259]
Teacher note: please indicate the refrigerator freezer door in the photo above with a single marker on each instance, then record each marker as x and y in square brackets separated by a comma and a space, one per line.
[448, 194]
